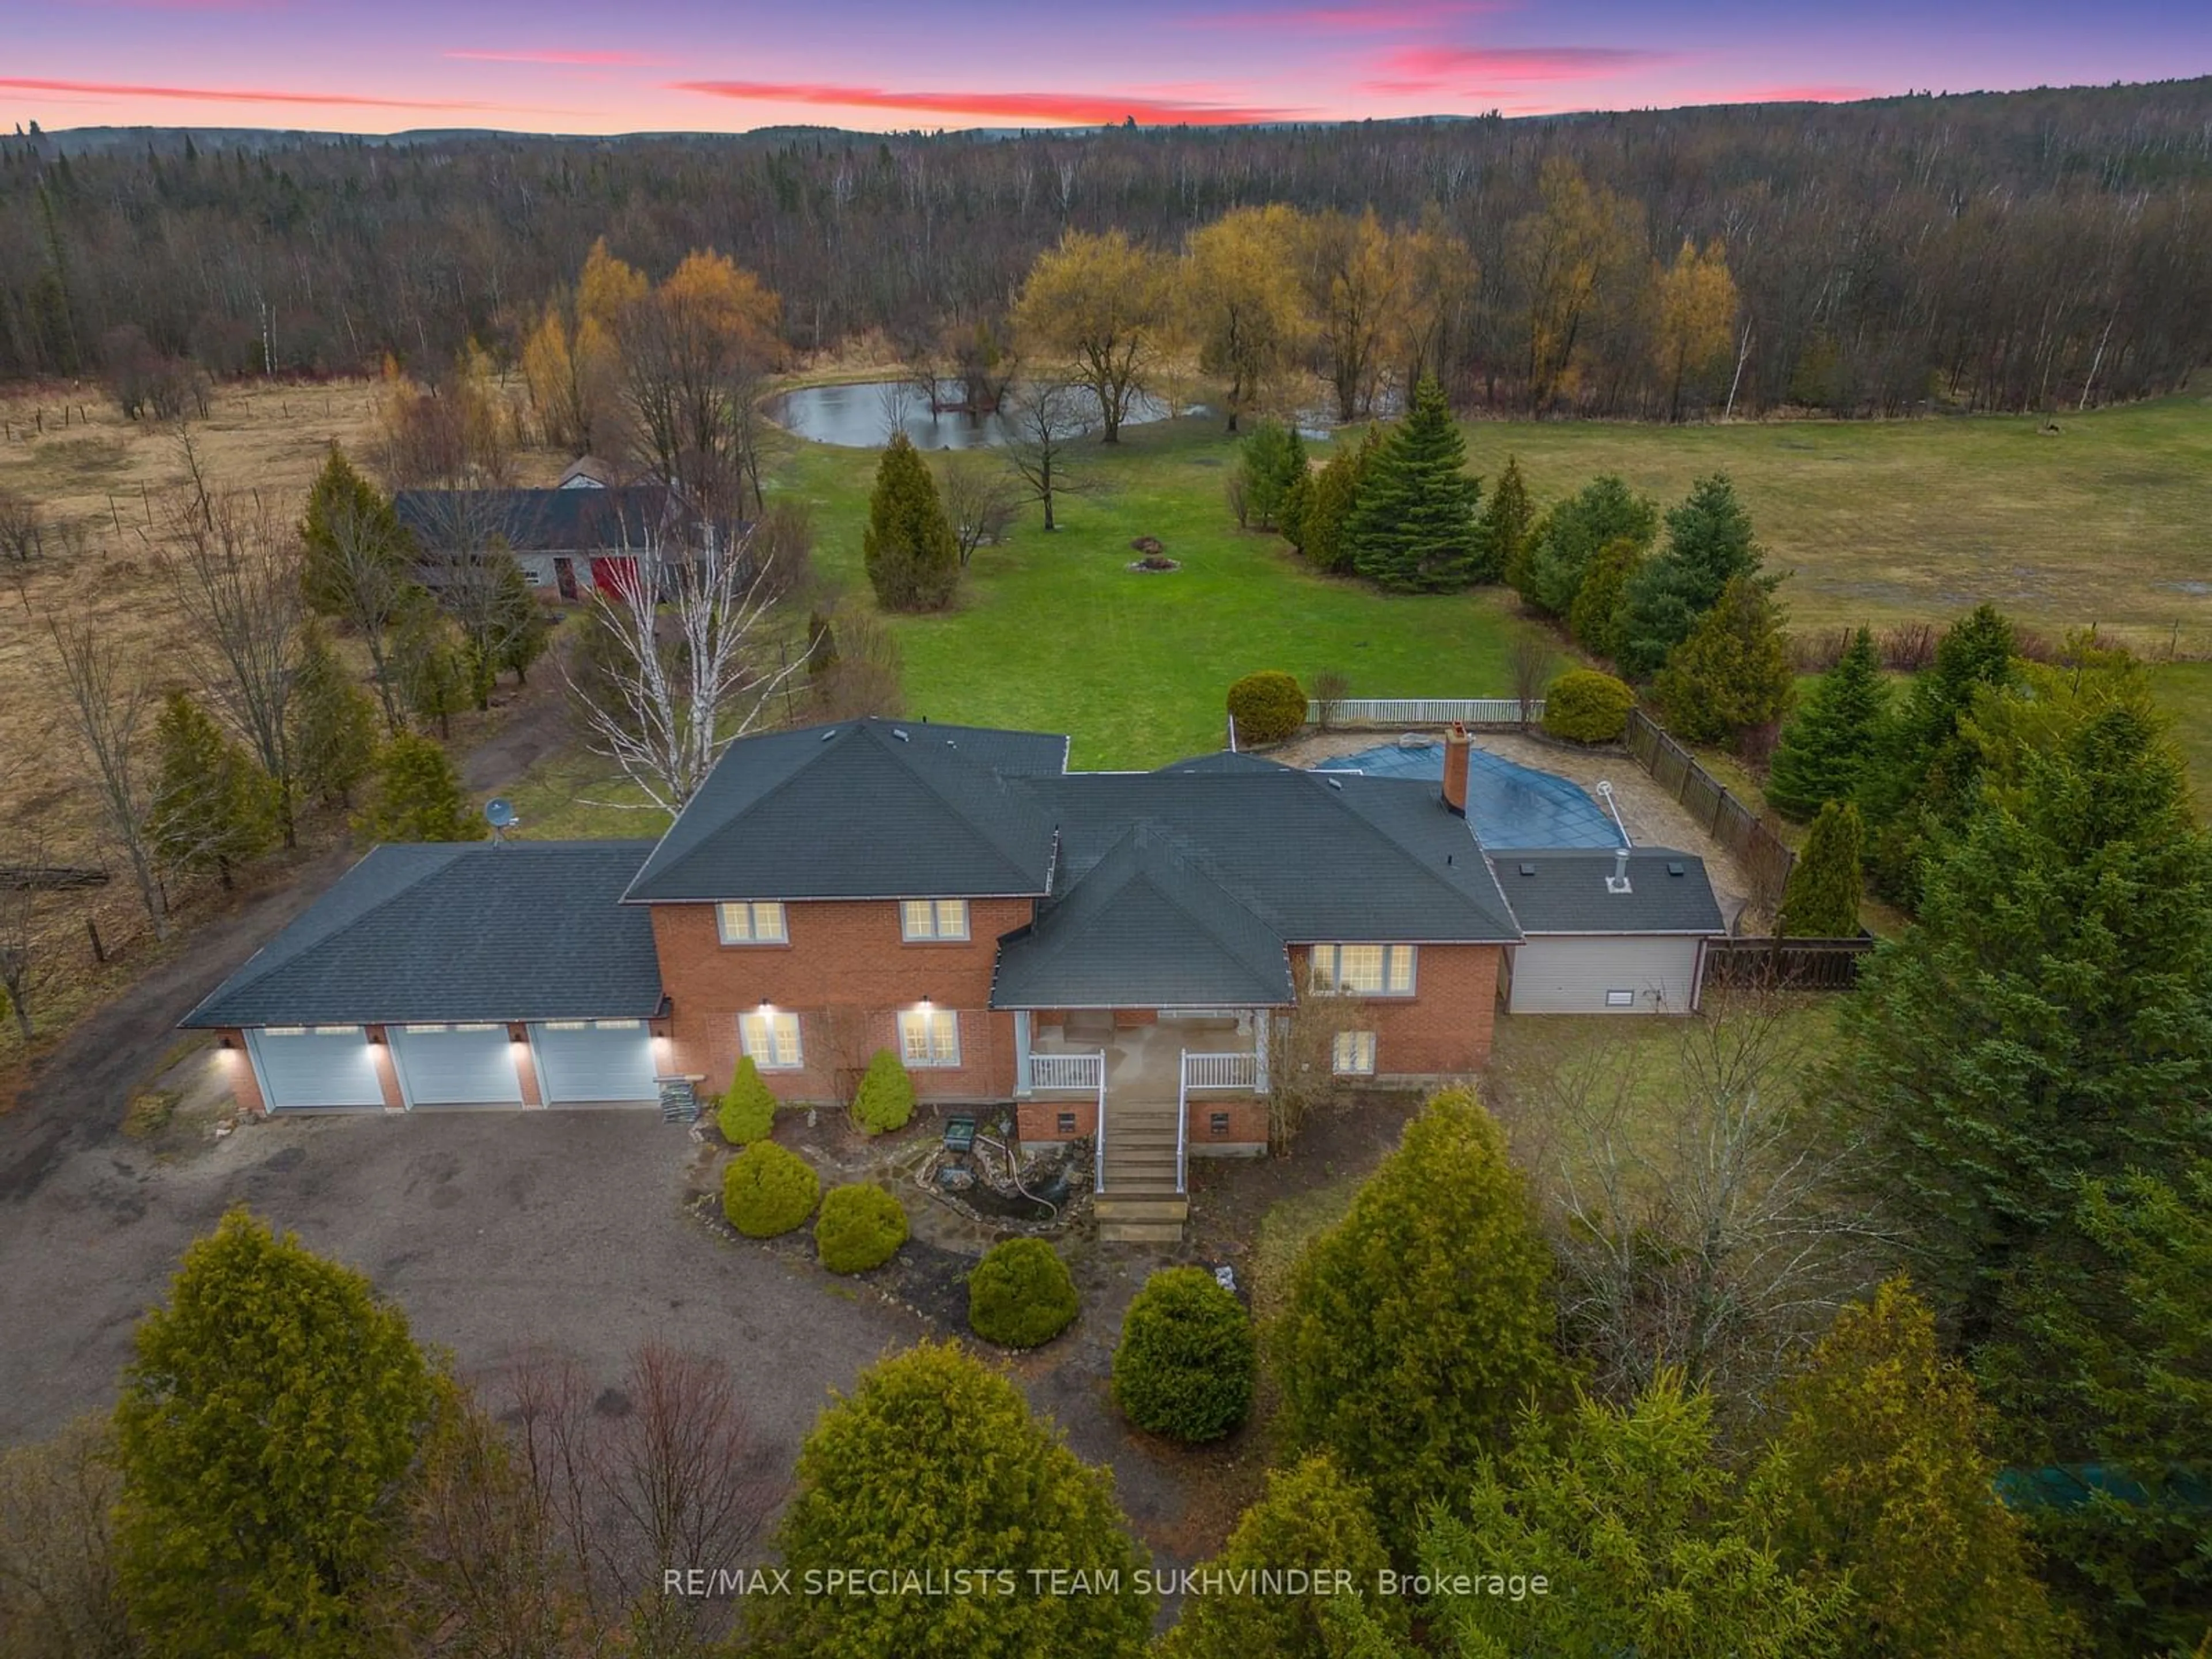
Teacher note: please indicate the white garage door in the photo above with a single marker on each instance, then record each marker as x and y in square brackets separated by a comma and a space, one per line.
[455, 1065]
[1605, 974]
[306, 1066]
[595, 1062]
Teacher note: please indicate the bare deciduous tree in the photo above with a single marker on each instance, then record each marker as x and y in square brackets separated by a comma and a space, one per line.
[235, 569]
[59, 1593]
[1529, 662]
[1330, 687]
[106, 707]
[979, 499]
[675, 684]
[856, 668]
[1302, 1074]
[369, 583]
[469, 563]
[1701, 1212]
[22, 914]
[1048, 417]
[22, 531]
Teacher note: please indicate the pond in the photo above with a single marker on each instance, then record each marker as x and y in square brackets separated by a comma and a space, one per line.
[864, 414]
[1509, 805]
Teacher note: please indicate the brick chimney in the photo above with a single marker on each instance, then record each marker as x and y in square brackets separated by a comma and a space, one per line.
[1456, 746]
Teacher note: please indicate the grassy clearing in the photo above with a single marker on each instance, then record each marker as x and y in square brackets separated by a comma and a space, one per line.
[1290, 1224]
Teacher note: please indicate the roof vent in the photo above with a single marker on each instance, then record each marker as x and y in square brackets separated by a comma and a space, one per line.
[1527, 869]
[1674, 867]
[1618, 881]
[1335, 784]
[830, 733]
[900, 735]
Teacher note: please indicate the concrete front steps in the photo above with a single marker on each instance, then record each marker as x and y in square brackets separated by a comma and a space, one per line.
[1138, 1203]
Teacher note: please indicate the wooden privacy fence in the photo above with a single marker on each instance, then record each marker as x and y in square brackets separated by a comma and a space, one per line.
[1765, 857]
[1426, 711]
[1792, 964]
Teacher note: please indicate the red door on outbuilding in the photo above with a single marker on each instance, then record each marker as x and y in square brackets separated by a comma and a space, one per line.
[616, 575]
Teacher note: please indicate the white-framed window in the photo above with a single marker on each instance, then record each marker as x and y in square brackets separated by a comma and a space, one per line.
[752, 922]
[929, 1036]
[1365, 970]
[1353, 1053]
[932, 918]
[772, 1040]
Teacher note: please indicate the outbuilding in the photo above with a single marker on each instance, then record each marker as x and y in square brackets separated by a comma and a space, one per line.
[1607, 933]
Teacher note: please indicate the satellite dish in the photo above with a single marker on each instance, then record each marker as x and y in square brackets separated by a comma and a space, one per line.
[499, 812]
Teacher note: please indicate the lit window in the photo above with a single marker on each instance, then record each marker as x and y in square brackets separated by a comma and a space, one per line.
[337, 1030]
[567, 1025]
[479, 1025]
[1353, 1053]
[929, 1036]
[928, 918]
[772, 1040]
[752, 923]
[283, 1031]
[616, 1024]
[1367, 970]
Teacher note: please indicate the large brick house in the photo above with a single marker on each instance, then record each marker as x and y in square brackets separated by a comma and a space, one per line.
[1103, 952]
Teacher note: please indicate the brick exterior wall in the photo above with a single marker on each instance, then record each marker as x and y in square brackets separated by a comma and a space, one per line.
[238, 1069]
[847, 974]
[1247, 1134]
[1039, 1119]
[1444, 1028]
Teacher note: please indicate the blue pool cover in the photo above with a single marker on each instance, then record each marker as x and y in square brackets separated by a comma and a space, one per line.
[1509, 805]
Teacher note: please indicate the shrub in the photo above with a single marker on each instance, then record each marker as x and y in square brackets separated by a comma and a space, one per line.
[1587, 707]
[747, 1112]
[1185, 1364]
[1020, 1294]
[885, 1100]
[768, 1189]
[1268, 706]
[861, 1227]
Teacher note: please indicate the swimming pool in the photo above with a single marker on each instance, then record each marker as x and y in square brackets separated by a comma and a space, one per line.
[1509, 805]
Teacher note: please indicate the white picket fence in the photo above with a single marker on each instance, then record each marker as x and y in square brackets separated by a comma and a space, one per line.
[1426, 711]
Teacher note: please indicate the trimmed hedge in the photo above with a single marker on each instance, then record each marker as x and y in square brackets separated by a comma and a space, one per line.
[1020, 1294]
[768, 1189]
[1587, 707]
[885, 1100]
[861, 1227]
[1188, 1358]
[1268, 706]
[748, 1111]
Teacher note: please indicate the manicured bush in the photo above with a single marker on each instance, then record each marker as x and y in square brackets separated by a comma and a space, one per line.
[1185, 1365]
[747, 1112]
[768, 1189]
[861, 1227]
[885, 1100]
[1587, 707]
[1268, 706]
[1020, 1294]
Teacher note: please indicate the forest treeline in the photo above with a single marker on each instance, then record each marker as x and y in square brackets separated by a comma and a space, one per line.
[2015, 250]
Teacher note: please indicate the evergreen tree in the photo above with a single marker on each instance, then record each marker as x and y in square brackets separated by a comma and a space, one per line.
[1417, 1327]
[1297, 502]
[417, 796]
[333, 721]
[1270, 461]
[1732, 675]
[1572, 534]
[934, 1465]
[2110, 1370]
[1336, 491]
[428, 666]
[1413, 529]
[267, 1423]
[350, 540]
[1882, 1471]
[1828, 743]
[1709, 545]
[1821, 900]
[1646, 1544]
[522, 627]
[1595, 619]
[1310, 1513]
[213, 808]
[1504, 530]
[912, 556]
[2048, 1020]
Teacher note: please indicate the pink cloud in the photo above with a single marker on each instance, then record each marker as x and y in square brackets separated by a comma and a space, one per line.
[574, 59]
[1426, 68]
[231, 95]
[1384, 17]
[1081, 108]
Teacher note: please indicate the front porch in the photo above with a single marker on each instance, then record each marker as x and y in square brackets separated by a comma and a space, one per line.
[1153, 1087]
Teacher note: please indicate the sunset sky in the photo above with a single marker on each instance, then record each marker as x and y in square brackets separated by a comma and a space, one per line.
[726, 65]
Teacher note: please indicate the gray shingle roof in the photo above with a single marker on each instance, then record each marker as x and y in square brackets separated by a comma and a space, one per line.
[1145, 925]
[457, 931]
[1565, 893]
[536, 521]
[867, 809]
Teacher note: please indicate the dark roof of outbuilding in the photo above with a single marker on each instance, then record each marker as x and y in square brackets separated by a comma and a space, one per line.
[458, 931]
[865, 809]
[536, 521]
[1146, 922]
[1566, 892]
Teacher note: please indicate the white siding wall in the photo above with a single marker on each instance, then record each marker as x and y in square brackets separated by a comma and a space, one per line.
[1572, 975]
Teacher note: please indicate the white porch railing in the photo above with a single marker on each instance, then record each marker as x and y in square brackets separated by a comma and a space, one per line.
[1426, 711]
[1235, 1071]
[1084, 1072]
